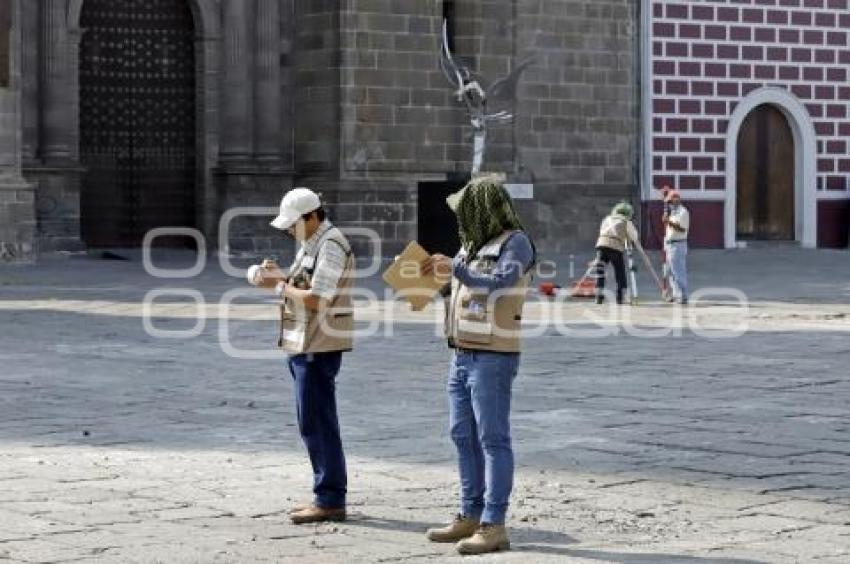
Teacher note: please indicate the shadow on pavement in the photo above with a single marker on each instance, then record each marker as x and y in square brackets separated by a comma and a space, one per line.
[540, 541]
[519, 536]
[634, 558]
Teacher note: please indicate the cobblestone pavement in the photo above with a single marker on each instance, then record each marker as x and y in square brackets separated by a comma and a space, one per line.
[121, 447]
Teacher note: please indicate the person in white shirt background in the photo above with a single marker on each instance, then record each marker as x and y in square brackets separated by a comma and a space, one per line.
[676, 221]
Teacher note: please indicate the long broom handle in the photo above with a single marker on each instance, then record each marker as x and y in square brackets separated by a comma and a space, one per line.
[632, 277]
[649, 266]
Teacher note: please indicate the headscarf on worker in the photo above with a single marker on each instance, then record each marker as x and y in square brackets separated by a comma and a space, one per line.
[624, 209]
[484, 211]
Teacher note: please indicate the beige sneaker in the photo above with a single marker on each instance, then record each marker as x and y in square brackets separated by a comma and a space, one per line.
[461, 528]
[488, 538]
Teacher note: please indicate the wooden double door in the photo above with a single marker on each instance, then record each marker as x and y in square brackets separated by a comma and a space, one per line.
[137, 119]
[766, 177]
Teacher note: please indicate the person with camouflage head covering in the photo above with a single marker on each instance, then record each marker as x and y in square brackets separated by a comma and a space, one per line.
[616, 231]
[489, 278]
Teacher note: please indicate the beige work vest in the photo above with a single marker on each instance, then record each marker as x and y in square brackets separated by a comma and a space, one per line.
[481, 321]
[613, 233]
[329, 330]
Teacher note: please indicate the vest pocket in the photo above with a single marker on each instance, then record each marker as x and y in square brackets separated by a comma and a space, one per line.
[473, 324]
[292, 332]
[474, 331]
[337, 324]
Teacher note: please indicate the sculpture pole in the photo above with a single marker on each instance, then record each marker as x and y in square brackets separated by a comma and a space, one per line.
[475, 97]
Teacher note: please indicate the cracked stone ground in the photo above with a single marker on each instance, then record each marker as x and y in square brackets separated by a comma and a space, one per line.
[121, 447]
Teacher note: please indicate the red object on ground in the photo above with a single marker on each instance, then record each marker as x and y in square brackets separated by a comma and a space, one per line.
[548, 288]
[584, 288]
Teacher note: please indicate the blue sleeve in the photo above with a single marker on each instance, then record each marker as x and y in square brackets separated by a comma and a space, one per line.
[516, 259]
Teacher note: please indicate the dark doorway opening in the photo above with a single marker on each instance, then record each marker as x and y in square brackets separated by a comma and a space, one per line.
[137, 120]
[438, 231]
[766, 176]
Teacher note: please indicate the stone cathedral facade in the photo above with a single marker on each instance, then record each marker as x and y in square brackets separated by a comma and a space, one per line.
[123, 116]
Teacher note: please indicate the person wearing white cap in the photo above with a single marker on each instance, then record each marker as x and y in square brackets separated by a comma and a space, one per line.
[316, 327]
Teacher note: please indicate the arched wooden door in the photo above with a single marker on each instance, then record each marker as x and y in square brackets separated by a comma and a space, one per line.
[765, 195]
[137, 119]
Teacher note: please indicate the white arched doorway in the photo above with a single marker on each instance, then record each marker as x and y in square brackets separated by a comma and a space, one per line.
[805, 163]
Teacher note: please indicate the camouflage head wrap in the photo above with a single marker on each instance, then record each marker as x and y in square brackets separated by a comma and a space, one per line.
[624, 209]
[484, 211]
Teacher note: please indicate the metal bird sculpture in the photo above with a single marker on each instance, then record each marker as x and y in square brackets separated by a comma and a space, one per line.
[469, 90]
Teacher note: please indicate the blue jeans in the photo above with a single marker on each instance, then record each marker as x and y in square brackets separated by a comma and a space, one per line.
[677, 258]
[314, 376]
[479, 409]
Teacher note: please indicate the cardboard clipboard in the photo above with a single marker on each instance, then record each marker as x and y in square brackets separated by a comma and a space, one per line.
[404, 276]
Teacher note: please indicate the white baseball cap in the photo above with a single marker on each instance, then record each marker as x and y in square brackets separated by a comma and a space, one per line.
[296, 203]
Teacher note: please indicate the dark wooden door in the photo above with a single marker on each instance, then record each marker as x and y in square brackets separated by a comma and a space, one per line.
[765, 200]
[5, 44]
[137, 119]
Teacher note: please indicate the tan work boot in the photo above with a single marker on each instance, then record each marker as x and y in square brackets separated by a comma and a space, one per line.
[488, 538]
[461, 528]
[299, 508]
[315, 514]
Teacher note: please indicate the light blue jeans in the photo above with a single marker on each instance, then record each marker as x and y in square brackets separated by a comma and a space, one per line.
[677, 258]
[479, 407]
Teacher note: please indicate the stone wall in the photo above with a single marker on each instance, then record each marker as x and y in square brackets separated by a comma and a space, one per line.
[316, 55]
[348, 97]
[575, 136]
[578, 114]
[17, 200]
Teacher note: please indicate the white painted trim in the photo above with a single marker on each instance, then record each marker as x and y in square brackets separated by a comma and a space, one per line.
[694, 196]
[833, 195]
[646, 100]
[805, 163]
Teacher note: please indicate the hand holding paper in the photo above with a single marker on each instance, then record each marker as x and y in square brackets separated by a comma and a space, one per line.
[413, 275]
[439, 266]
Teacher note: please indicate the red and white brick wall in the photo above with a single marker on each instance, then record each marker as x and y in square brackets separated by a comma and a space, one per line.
[704, 57]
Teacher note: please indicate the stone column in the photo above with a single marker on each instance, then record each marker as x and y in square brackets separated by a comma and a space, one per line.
[29, 79]
[268, 138]
[57, 100]
[237, 135]
[17, 200]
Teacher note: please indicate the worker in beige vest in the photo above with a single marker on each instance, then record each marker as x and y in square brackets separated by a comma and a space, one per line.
[316, 327]
[616, 232]
[489, 278]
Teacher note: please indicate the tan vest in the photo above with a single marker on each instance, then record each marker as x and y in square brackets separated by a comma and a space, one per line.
[613, 233]
[329, 330]
[485, 322]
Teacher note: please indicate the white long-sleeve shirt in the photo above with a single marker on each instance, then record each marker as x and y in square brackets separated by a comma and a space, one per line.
[680, 216]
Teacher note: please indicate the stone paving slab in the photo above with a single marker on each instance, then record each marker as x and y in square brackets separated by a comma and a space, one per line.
[121, 447]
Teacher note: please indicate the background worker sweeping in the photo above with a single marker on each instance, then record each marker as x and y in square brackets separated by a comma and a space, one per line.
[489, 278]
[616, 231]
